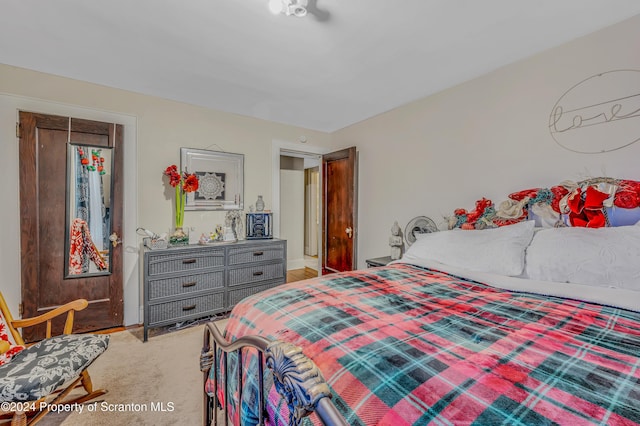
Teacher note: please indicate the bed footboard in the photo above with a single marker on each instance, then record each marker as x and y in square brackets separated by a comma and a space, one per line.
[296, 377]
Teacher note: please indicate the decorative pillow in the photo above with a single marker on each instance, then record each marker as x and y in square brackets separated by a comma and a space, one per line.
[604, 257]
[498, 250]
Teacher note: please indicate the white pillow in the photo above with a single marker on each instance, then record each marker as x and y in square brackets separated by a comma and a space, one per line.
[604, 257]
[498, 250]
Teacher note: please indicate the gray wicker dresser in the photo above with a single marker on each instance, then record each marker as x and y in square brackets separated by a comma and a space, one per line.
[195, 281]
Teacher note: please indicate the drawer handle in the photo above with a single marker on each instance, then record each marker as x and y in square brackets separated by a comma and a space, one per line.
[187, 261]
[191, 284]
[258, 253]
[189, 308]
[257, 273]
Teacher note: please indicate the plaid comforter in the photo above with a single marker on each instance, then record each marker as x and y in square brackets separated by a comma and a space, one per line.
[403, 345]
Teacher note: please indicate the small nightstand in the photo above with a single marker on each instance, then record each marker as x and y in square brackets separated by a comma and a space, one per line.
[378, 261]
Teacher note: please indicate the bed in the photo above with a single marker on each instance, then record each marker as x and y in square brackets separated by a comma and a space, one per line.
[515, 324]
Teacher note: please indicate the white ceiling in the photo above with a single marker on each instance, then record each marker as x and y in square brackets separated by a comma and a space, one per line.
[346, 61]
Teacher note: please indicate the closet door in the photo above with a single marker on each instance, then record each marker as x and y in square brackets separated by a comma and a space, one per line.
[69, 206]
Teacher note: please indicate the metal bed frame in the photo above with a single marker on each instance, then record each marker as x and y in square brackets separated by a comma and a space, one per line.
[296, 377]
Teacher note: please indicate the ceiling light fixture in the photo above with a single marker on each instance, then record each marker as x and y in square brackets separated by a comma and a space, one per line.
[289, 7]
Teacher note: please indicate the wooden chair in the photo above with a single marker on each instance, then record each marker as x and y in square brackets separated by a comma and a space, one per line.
[35, 377]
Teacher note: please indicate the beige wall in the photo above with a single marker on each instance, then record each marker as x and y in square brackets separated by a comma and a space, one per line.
[485, 138]
[162, 128]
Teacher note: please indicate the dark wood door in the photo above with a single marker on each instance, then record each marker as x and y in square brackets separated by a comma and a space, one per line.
[339, 194]
[44, 217]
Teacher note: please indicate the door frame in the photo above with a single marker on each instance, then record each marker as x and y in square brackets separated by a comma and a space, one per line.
[278, 148]
[10, 105]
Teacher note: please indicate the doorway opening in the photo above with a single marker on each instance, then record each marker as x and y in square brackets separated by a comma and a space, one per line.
[300, 217]
[337, 205]
[296, 150]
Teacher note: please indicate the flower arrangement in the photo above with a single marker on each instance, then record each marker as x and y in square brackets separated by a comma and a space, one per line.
[182, 183]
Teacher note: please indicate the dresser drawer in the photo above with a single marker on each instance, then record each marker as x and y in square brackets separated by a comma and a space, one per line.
[239, 256]
[237, 294]
[184, 261]
[256, 273]
[184, 284]
[185, 308]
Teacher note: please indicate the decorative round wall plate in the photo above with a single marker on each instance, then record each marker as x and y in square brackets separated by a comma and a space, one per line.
[418, 225]
[210, 186]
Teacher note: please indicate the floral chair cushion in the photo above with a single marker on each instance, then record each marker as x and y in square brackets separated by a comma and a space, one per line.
[8, 346]
[40, 369]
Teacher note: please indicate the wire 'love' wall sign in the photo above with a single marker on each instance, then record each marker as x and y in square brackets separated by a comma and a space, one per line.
[599, 114]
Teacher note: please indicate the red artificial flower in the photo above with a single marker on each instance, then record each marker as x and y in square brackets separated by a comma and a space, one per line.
[174, 176]
[190, 183]
[182, 183]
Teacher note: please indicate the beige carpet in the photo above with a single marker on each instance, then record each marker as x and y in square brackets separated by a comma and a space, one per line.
[154, 383]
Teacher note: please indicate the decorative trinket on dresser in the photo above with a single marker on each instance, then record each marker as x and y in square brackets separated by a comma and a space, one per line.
[259, 226]
[233, 220]
[260, 204]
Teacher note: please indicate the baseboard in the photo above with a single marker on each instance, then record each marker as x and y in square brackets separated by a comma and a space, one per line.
[295, 264]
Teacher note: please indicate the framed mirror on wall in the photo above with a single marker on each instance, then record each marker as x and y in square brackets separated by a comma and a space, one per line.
[220, 179]
[88, 212]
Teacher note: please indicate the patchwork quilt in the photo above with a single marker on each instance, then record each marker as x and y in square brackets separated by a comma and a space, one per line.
[403, 345]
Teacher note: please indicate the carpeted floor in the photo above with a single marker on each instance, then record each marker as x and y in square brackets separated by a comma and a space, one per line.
[154, 383]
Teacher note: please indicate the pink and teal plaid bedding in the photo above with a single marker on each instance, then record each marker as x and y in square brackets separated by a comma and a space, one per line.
[403, 345]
